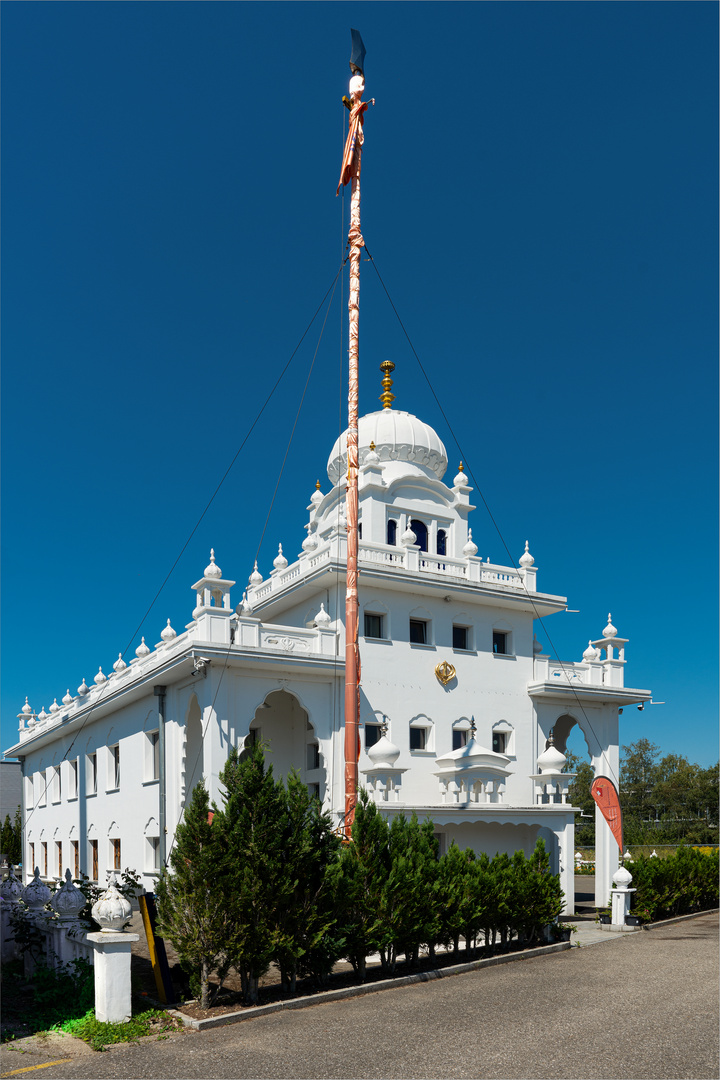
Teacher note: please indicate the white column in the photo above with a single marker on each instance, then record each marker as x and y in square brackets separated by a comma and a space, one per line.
[113, 995]
[566, 845]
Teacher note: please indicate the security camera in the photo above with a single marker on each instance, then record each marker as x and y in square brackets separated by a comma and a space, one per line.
[199, 664]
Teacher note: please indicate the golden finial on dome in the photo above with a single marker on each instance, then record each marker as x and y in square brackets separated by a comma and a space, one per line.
[317, 485]
[387, 397]
[461, 467]
[372, 445]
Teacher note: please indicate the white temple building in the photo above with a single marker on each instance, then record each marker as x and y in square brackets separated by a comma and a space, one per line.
[458, 701]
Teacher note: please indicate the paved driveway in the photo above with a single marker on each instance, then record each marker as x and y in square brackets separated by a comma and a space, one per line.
[634, 1006]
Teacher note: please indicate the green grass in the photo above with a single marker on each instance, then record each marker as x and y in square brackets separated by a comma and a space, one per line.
[99, 1034]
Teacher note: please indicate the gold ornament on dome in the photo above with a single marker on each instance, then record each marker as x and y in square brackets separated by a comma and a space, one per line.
[445, 672]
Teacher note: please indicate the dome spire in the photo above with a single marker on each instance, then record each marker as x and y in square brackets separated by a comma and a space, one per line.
[387, 397]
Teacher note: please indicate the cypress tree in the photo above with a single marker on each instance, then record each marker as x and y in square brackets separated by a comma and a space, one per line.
[304, 919]
[192, 909]
[253, 870]
[357, 879]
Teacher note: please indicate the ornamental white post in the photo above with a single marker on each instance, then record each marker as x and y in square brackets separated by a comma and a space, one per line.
[113, 994]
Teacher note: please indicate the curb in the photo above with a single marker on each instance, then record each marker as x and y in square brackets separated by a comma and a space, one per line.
[679, 918]
[366, 988]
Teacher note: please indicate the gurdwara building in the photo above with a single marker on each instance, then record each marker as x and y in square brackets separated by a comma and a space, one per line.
[462, 717]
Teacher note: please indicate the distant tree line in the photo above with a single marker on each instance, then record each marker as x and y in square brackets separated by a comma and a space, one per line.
[264, 879]
[11, 839]
[664, 800]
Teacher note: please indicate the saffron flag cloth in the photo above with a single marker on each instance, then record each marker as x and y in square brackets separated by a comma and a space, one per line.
[349, 156]
[606, 796]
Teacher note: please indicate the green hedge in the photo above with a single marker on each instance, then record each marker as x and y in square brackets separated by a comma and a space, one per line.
[677, 885]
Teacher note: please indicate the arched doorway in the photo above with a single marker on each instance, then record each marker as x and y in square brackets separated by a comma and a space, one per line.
[283, 725]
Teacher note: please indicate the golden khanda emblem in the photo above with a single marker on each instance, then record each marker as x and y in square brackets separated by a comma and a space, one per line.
[445, 672]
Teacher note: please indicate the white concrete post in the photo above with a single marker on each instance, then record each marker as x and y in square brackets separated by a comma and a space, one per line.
[621, 896]
[113, 997]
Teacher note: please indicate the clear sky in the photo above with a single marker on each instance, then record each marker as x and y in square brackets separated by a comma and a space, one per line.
[539, 195]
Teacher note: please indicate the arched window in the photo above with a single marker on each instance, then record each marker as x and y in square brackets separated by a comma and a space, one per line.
[392, 532]
[441, 542]
[421, 533]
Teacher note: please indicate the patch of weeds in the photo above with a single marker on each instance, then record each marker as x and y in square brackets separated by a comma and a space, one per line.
[99, 1034]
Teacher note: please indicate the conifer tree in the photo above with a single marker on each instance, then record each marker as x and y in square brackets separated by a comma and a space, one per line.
[11, 839]
[192, 909]
[304, 919]
[252, 862]
[357, 880]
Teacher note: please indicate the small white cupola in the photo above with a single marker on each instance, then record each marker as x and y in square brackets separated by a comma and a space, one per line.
[461, 480]
[384, 778]
[613, 665]
[472, 774]
[550, 781]
[212, 590]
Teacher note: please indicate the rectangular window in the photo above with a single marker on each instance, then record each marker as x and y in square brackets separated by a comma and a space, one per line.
[58, 853]
[92, 774]
[155, 754]
[73, 785]
[499, 742]
[154, 852]
[461, 637]
[32, 858]
[55, 784]
[313, 756]
[42, 788]
[116, 856]
[500, 643]
[43, 848]
[418, 632]
[114, 766]
[76, 858]
[94, 860]
[418, 738]
[373, 625]
[372, 735]
[460, 739]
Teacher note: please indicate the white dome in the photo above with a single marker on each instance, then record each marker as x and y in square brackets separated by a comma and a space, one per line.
[551, 760]
[383, 752]
[398, 436]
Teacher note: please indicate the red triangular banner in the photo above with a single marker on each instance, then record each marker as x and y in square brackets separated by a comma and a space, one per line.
[606, 796]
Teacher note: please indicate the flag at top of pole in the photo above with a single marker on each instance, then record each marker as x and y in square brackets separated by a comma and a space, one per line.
[357, 109]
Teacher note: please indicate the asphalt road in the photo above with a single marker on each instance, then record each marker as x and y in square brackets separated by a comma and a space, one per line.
[635, 1006]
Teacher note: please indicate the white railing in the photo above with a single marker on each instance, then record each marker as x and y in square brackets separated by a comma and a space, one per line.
[567, 672]
[504, 577]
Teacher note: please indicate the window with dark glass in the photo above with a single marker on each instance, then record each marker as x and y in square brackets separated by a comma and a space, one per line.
[94, 857]
[418, 738]
[392, 532]
[500, 643]
[313, 756]
[499, 742]
[373, 625]
[460, 637]
[460, 738]
[441, 542]
[421, 533]
[418, 632]
[372, 735]
[117, 857]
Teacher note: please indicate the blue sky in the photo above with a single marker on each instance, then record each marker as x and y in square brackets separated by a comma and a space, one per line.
[539, 195]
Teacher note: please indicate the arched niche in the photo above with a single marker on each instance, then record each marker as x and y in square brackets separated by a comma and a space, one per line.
[193, 748]
[282, 724]
[561, 730]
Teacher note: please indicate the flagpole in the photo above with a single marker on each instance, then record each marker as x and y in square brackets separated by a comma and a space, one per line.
[351, 171]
